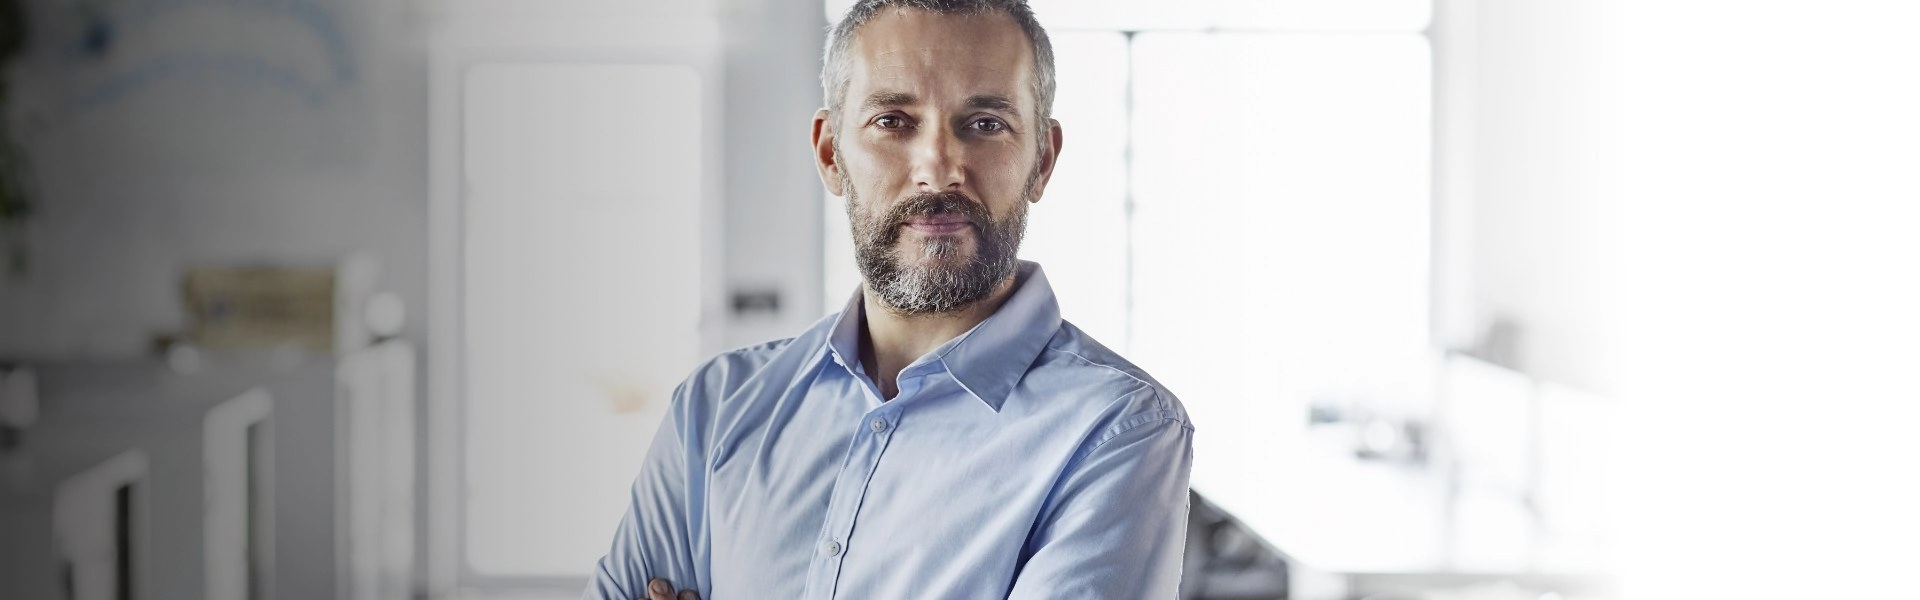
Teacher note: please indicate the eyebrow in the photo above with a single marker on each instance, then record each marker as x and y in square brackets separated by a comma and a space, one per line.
[878, 100]
[886, 100]
[992, 102]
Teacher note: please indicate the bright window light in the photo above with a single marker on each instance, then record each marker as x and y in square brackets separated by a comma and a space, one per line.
[1078, 231]
[1280, 240]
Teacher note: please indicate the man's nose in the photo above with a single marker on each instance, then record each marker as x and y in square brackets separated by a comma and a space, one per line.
[939, 161]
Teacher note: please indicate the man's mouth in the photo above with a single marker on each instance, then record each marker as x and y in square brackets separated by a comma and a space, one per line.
[938, 224]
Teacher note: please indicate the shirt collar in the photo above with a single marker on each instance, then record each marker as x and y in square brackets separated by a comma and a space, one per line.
[987, 360]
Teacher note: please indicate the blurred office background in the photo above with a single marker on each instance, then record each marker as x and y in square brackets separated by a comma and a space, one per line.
[1488, 299]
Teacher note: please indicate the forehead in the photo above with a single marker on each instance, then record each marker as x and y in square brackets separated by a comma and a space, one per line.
[936, 55]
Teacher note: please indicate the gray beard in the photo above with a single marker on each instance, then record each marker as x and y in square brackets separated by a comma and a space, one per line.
[940, 282]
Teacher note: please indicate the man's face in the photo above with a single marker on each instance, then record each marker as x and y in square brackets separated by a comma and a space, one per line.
[937, 149]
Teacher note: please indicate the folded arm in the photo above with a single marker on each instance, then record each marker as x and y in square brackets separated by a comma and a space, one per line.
[659, 533]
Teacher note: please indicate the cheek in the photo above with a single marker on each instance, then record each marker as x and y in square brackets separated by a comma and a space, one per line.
[1007, 185]
[865, 163]
[1008, 159]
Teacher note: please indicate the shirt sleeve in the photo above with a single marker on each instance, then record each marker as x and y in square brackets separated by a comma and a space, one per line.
[1118, 527]
[657, 536]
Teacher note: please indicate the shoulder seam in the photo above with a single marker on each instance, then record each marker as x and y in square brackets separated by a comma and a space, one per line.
[1144, 383]
[1158, 415]
[767, 346]
[1161, 412]
[1139, 421]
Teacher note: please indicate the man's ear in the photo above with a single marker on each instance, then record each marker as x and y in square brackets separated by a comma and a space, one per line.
[824, 158]
[1049, 156]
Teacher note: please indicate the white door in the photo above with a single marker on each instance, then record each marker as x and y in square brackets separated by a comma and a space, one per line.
[583, 198]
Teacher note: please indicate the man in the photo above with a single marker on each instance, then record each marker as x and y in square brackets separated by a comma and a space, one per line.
[946, 435]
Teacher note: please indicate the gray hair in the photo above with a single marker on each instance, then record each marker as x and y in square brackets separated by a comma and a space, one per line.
[836, 73]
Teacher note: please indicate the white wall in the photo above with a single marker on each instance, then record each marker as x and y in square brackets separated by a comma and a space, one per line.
[773, 195]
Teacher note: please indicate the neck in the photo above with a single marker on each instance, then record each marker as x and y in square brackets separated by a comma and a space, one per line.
[889, 341]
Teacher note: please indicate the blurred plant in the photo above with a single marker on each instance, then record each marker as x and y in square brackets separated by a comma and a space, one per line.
[15, 203]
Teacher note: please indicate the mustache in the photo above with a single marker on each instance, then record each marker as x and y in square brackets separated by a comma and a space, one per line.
[928, 204]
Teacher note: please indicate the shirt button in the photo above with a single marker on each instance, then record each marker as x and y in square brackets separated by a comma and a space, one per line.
[879, 425]
[830, 548]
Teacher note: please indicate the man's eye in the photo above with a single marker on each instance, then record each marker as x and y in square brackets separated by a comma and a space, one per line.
[890, 122]
[989, 125]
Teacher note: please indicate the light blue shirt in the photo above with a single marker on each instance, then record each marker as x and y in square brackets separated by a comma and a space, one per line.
[1021, 459]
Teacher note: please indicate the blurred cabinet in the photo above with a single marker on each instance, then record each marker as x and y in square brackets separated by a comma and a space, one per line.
[98, 518]
[377, 457]
[238, 453]
[212, 485]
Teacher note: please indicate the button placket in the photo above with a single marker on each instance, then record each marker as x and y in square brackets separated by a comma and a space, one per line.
[864, 452]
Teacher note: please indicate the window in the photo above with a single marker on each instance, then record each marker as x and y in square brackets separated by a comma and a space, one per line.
[1280, 233]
